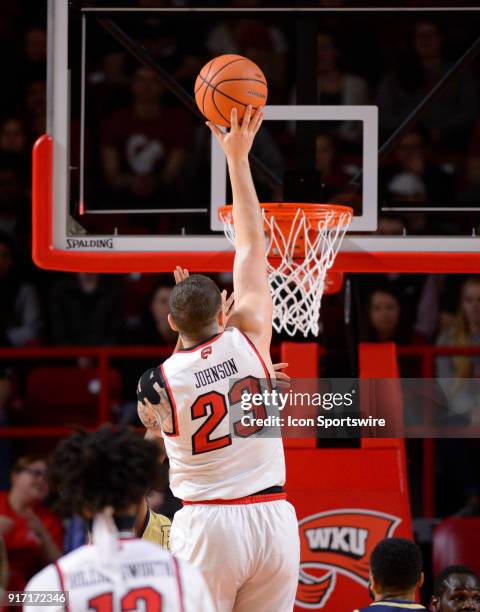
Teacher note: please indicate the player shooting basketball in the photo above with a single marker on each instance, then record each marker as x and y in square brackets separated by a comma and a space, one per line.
[236, 524]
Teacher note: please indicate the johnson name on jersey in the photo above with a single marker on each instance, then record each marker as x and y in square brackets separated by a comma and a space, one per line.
[192, 396]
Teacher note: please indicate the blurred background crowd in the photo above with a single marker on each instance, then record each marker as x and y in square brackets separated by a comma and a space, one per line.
[143, 148]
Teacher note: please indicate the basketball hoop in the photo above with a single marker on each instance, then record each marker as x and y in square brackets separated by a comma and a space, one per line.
[302, 241]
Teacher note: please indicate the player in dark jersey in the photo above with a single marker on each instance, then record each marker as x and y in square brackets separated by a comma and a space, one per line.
[456, 588]
[395, 575]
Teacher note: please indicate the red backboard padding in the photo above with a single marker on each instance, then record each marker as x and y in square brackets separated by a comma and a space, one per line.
[347, 500]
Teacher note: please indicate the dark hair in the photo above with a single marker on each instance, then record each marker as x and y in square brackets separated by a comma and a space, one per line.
[24, 462]
[194, 304]
[396, 563]
[370, 334]
[387, 289]
[109, 467]
[441, 579]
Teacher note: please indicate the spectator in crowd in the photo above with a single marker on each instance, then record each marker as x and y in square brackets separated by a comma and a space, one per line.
[263, 43]
[35, 52]
[15, 210]
[86, 309]
[465, 331]
[155, 328]
[6, 392]
[335, 86]
[412, 157]
[408, 189]
[470, 184]
[395, 575]
[385, 322]
[257, 41]
[36, 107]
[391, 225]
[144, 146]
[449, 117]
[20, 318]
[108, 85]
[457, 376]
[328, 164]
[175, 42]
[33, 534]
[456, 588]
[13, 136]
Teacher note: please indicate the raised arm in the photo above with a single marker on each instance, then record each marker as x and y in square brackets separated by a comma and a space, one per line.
[253, 301]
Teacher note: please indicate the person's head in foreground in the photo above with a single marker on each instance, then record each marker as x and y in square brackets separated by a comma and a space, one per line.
[196, 308]
[456, 588]
[109, 469]
[395, 570]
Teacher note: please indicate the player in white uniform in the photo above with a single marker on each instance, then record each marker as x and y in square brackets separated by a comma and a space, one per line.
[236, 525]
[103, 476]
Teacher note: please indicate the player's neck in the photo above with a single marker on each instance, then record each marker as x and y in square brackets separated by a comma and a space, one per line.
[189, 341]
[396, 596]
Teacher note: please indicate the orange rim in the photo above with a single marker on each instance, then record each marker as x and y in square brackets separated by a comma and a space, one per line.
[285, 211]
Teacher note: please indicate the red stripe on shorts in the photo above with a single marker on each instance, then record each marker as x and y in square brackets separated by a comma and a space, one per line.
[250, 499]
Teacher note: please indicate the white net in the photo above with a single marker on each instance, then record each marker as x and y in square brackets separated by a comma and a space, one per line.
[299, 253]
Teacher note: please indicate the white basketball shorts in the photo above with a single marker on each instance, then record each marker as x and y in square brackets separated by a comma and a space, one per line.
[249, 553]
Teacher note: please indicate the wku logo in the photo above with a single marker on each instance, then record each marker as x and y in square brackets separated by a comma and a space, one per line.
[204, 353]
[337, 542]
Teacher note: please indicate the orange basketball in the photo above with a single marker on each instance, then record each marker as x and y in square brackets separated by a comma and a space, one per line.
[227, 81]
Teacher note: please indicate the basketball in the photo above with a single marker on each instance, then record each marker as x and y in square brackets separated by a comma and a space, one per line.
[228, 81]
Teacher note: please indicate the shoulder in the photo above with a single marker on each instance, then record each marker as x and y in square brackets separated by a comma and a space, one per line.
[157, 529]
[150, 385]
[47, 578]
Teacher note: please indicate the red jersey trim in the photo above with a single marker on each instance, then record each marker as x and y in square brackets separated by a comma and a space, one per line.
[61, 578]
[172, 404]
[265, 369]
[178, 577]
[240, 501]
[202, 344]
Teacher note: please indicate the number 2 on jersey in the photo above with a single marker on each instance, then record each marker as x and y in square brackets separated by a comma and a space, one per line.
[214, 405]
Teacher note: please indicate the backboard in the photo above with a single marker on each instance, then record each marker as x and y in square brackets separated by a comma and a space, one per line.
[99, 204]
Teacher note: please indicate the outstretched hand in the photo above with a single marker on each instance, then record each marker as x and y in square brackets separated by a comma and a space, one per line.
[238, 141]
[180, 274]
[227, 305]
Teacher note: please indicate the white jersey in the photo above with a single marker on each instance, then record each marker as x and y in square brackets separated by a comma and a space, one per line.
[146, 577]
[195, 395]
